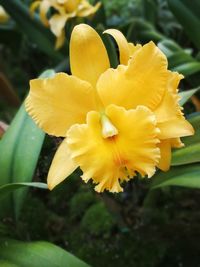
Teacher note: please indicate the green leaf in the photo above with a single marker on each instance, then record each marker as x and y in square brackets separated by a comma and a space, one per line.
[32, 27]
[7, 264]
[185, 96]
[111, 47]
[21, 145]
[150, 10]
[179, 59]
[188, 68]
[187, 13]
[186, 155]
[144, 31]
[8, 188]
[37, 254]
[187, 176]
[169, 47]
[194, 119]
[190, 153]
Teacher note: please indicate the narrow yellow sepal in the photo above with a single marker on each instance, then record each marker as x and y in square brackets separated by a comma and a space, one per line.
[61, 167]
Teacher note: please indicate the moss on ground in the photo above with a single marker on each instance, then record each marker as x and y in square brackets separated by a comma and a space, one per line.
[80, 202]
[97, 220]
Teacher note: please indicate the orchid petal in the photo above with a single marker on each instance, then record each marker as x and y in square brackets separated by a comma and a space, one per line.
[57, 103]
[88, 55]
[142, 82]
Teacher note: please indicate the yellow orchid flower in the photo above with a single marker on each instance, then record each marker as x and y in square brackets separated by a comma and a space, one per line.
[116, 122]
[167, 112]
[65, 10]
[4, 17]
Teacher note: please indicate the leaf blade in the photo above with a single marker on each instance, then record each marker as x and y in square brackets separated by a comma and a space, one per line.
[185, 96]
[183, 9]
[187, 176]
[19, 159]
[34, 254]
[8, 188]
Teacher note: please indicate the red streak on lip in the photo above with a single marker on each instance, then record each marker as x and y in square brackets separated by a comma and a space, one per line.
[119, 160]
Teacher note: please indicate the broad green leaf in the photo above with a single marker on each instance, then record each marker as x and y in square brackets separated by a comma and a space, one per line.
[187, 176]
[186, 155]
[187, 13]
[32, 27]
[8, 188]
[167, 51]
[188, 69]
[37, 254]
[179, 59]
[190, 153]
[7, 264]
[21, 145]
[169, 47]
[110, 45]
[185, 96]
[194, 119]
